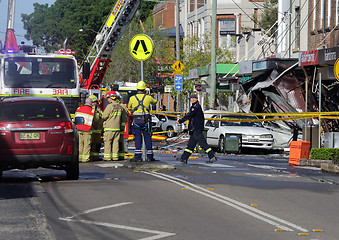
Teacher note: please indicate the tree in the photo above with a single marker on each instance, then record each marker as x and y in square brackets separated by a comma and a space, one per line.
[198, 53]
[269, 16]
[125, 68]
[49, 26]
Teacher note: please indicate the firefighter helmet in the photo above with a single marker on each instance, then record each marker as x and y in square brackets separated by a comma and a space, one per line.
[94, 98]
[112, 94]
[141, 85]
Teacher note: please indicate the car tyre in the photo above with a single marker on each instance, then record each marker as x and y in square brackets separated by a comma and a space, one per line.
[72, 171]
[170, 134]
[221, 144]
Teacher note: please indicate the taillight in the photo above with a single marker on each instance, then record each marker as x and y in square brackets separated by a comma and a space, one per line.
[69, 149]
[2, 128]
[67, 126]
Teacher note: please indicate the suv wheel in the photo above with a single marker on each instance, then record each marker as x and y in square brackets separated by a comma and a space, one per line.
[72, 171]
[170, 134]
[221, 144]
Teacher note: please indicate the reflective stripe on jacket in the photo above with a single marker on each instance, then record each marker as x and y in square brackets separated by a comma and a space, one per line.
[87, 112]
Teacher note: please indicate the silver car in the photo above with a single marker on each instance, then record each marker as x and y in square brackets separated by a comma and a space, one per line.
[167, 123]
[253, 134]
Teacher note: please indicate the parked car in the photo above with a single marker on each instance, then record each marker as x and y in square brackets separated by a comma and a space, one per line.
[37, 132]
[167, 123]
[253, 134]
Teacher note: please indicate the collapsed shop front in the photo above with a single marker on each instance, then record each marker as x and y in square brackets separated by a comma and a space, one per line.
[289, 85]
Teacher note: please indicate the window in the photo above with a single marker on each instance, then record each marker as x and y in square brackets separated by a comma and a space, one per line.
[329, 9]
[31, 111]
[297, 27]
[32, 72]
[321, 14]
[314, 14]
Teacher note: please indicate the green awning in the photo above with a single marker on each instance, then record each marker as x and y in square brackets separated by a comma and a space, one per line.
[222, 68]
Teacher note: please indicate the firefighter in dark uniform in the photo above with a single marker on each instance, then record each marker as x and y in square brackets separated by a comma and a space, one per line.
[139, 105]
[195, 128]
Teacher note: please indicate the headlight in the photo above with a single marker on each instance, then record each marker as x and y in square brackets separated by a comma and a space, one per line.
[266, 136]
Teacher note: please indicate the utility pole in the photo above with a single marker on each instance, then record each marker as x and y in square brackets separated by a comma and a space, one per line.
[213, 54]
[177, 46]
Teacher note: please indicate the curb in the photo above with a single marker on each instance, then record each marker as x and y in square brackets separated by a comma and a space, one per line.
[325, 165]
[156, 165]
[330, 167]
[313, 162]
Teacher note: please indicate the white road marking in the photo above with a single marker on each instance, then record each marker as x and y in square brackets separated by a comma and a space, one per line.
[273, 175]
[216, 165]
[264, 166]
[108, 165]
[261, 215]
[157, 234]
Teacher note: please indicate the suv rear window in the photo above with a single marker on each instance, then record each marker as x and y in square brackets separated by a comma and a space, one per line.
[31, 111]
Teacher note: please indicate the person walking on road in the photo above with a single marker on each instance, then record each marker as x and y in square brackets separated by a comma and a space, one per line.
[139, 105]
[195, 128]
[85, 130]
[96, 129]
[112, 126]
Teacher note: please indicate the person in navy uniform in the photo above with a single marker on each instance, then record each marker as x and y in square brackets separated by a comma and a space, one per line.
[195, 128]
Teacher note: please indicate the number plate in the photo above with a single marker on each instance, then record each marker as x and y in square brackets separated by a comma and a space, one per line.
[253, 140]
[29, 136]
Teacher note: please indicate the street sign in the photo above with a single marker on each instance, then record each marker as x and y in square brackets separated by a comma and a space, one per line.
[178, 82]
[336, 69]
[168, 88]
[178, 73]
[141, 47]
[178, 66]
[199, 88]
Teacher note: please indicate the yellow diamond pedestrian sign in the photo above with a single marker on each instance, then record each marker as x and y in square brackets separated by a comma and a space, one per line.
[141, 47]
[178, 66]
[336, 69]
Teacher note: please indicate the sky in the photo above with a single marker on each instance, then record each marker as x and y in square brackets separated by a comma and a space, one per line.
[21, 6]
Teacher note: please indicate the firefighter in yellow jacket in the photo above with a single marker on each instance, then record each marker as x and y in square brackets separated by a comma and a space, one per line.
[85, 130]
[112, 126]
[96, 129]
[139, 105]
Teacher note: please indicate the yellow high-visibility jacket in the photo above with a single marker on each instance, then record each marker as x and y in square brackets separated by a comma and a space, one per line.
[133, 104]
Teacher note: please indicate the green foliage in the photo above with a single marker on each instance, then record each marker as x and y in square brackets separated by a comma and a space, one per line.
[48, 26]
[198, 53]
[269, 16]
[325, 154]
[125, 68]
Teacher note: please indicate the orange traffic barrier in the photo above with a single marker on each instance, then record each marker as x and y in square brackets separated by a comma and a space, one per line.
[298, 150]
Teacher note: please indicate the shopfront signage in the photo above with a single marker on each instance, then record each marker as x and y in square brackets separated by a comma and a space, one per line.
[307, 58]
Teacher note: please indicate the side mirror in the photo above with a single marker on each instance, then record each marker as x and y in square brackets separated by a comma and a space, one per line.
[79, 120]
[86, 70]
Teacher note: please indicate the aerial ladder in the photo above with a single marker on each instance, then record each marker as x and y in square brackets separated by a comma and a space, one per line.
[98, 57]
[10, 40]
